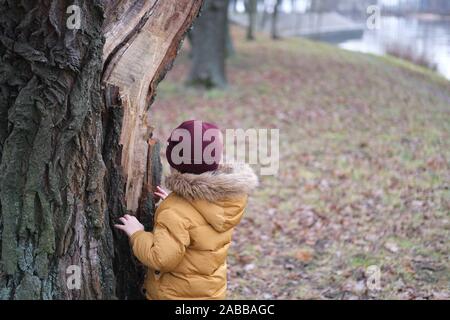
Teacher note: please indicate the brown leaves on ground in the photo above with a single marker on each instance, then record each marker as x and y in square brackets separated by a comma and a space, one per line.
[304, 255]
[364, 170]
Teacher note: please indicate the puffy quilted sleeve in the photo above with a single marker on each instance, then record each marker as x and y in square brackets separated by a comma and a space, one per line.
[164, 248]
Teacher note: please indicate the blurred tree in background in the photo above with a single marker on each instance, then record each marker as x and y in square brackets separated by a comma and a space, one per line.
[209, 42]
[251, 8]
[275, 12]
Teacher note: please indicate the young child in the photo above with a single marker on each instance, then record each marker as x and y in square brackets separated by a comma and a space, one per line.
[186, 252]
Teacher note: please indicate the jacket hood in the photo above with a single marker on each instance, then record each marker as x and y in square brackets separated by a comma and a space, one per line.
[220, 195]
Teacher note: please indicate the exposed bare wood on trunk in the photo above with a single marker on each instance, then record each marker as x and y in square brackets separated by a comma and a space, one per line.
[135, 69]
[127, 17]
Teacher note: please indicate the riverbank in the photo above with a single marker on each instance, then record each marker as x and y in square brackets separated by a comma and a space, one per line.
[364, 169]
[326, 26]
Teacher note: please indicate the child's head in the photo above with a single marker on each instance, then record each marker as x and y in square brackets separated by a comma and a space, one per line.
[195, 147]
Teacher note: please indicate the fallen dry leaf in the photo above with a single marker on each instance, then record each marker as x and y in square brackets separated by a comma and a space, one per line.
[304, 255]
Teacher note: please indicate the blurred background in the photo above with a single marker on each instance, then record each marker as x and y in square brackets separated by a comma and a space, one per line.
[359, 90]
[416, 30]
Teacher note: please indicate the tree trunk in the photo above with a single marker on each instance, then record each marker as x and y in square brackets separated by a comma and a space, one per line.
[265, 16]
[274, 26]
[76, 149]
[251, 6]
[208, 38]
[234, 5]
[229, 45]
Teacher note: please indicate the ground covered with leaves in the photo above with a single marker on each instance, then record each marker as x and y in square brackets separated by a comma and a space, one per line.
[364, 171]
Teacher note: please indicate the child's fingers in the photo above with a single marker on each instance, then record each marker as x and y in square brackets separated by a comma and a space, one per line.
[159, 194]
[123, 220]
[161, 190]
[119, 226]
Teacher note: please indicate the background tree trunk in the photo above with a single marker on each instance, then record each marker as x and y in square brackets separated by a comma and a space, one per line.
[76, 150]
[234, 5]
[251, 7]
[229, 45]
[265, 15]
[208, 38]
[274, 26]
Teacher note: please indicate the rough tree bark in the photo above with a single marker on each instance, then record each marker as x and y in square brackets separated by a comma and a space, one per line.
[76, 148]
[208, 39]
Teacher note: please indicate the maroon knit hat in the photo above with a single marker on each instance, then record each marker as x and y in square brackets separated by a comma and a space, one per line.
[195, 147]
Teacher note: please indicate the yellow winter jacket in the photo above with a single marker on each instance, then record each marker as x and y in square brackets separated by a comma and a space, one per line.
[186, 252]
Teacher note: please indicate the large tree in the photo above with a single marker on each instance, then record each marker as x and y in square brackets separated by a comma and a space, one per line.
[209, 40]
[76, 148]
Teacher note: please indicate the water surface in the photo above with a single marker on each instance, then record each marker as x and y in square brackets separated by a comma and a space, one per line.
[428, 38]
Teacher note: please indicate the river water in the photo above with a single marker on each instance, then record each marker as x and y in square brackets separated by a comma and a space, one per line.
[430, 38]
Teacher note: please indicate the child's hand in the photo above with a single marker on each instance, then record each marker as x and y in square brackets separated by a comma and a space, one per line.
[161, 192]
[130, 225]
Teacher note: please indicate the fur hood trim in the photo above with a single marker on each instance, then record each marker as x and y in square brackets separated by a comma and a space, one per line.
[228, 181]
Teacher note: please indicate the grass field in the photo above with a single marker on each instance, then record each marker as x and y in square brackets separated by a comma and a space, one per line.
[364, 169]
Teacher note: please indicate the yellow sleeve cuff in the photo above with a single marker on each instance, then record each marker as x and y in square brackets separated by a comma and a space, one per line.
[135, 235]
